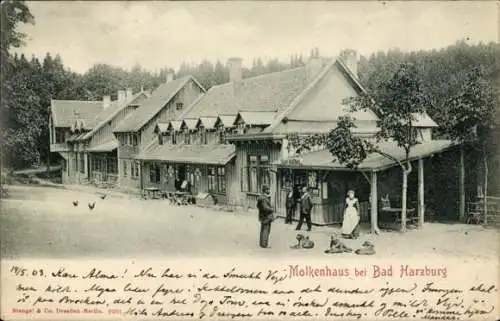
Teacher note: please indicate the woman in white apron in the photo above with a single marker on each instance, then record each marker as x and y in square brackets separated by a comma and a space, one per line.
[350, 225]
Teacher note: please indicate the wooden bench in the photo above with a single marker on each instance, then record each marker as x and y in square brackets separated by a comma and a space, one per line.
[395, 214]
[151, 193]
[475, 213]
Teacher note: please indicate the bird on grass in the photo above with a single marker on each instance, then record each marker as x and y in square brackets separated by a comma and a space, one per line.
[91, 205]
[104, 196]
[75, 203]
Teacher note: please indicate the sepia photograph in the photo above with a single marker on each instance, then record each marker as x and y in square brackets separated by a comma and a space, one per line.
[289, 130]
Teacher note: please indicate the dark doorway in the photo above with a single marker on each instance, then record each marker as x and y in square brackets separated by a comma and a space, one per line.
[181, 176]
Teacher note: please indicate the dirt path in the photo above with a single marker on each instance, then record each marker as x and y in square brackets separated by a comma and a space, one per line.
[42, 222]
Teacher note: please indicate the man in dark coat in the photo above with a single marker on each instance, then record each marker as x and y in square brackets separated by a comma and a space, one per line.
[265, 216]
[305, 209]
[291, 205]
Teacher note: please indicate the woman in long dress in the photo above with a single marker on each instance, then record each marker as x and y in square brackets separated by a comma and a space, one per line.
[350, 225]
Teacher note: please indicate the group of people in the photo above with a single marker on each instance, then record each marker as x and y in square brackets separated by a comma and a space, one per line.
[350, 225]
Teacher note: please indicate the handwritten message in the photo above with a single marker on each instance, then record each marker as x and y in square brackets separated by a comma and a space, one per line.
[282, 291]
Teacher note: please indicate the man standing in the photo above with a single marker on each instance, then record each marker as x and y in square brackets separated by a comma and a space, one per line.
[291, 205]
[305, 209]
[265, 216]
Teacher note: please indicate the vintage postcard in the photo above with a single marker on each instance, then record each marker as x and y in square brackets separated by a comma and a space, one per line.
[250, 160]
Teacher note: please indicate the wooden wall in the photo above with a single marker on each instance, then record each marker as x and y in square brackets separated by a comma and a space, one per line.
[243, 149]
[186, 96]
[329, 198]
[200, 185]
[105, 133]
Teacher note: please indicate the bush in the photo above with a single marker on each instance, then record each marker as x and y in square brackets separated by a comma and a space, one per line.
[6, 177]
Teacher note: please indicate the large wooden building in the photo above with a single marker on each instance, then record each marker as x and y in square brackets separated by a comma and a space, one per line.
[81, 132]
[236, 137]
[136, 132]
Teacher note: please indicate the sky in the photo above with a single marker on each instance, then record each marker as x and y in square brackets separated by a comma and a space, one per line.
[165, 34]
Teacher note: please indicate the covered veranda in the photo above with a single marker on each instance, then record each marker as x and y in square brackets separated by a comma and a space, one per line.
[103, 163]
[374, 178]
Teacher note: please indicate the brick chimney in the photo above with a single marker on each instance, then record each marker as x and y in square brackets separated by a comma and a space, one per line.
[128, 93]
[313, 65]
[234, 65]
[106, 101]
[350, 59]
[121, 96]
[170, 76]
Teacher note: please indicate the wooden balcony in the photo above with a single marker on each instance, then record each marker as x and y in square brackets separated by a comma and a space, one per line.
[60, 147]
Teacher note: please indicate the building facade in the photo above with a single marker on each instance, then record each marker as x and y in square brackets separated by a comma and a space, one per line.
[81, 132]
[137, 131]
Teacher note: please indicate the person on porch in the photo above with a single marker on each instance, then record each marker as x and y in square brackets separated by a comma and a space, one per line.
[305, 209]
[350, 225]
[266, 216]
[291, 205]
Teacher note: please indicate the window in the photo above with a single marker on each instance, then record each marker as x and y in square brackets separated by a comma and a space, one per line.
[216, 179]
[129, 139]
[134, 170]
[59, 136]
[203, 136]
[75, 162]
[257, 173]
[221, 180]
[154, 173]
[312, 181]
[187, 137]
[134, 140]
[160, 139]
[82, 163]
[179, 106]
[125, 169]
[211, 179]
[111, 166]
[222, 136]
[174, 137]
[241, 129]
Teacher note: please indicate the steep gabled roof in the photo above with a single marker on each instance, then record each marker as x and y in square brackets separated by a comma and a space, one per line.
[189, 123]
[161, 128]
[225, 120]
[255, 117]
[268, 92]
[66, 112]
[153, 105]
[206, 122]
[110, 112]
[175, 125]
[338, 63]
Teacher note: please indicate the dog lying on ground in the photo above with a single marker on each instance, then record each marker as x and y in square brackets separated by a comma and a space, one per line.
[367, 249]
[303, 242]
[336, 246]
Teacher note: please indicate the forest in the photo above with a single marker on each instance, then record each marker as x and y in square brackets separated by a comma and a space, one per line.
[29, 83]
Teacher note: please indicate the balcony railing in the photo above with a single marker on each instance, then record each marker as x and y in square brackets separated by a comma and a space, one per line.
[60, 147]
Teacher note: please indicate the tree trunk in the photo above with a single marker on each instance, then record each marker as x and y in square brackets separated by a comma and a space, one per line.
[485, 192]
[403, 201]
[461, 185]
[406, 172]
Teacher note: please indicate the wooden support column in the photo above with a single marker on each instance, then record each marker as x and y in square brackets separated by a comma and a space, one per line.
[373, 204]
[421, 205]
[461, 186]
